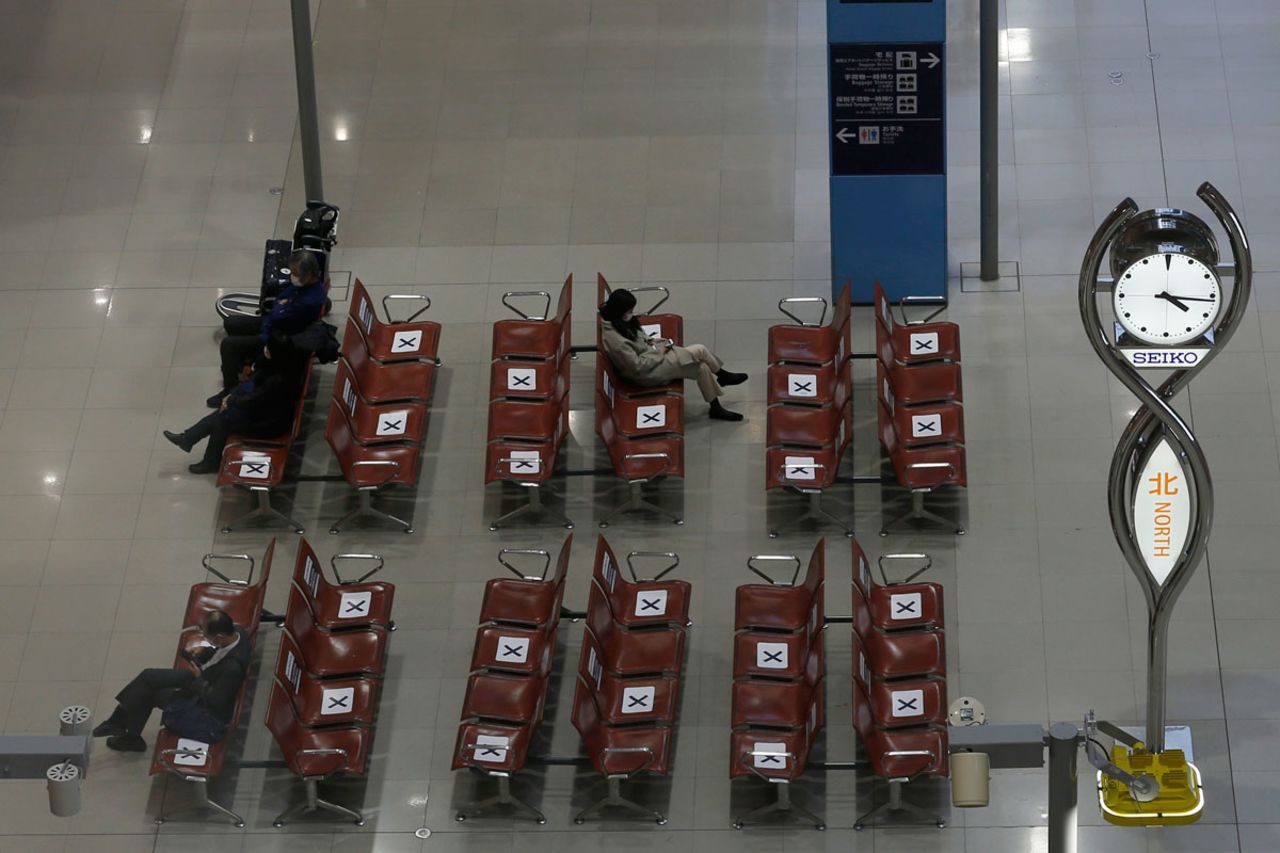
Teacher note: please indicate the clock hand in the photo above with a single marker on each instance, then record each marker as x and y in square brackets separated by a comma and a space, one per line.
[1192, 298]
[1164, 294]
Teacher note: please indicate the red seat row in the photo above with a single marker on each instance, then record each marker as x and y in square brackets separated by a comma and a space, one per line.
[920, 406]
[510, 673]
[899, 679]
[641, 426]
[191, 760]
[328, 676]
[378, 410]
[529, 397]
[779, 671]
[810, 403]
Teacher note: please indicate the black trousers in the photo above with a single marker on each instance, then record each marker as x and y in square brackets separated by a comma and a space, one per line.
[152, 688]
[215, 427]
[236, 351]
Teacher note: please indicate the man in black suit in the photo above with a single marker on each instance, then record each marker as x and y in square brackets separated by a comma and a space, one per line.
[213, 673]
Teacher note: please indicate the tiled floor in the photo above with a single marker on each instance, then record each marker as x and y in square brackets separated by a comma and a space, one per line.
[479, 146]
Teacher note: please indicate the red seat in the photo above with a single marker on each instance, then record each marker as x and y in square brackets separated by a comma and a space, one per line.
[766, 654]
[619, 751]
[369, 468]
[907, 654]
[783, 607]
[640, 604]
[626, 701]
[664, 326]
[242, 601]
[510, 648]
[505, 698]
[805, 426]
[895, 606]
[348, 604]
[395, 340]
[910, 702]
[802, 384]
[922, 468]
[912, 343]
[929, 423]
[536, 336]
[642, 458]
[813, 344]
[331, 654]
[899, 755]
[642, 417]
[775, 704]
[316, 752]
[335, 701]
[628, 653]
[803, 468]
[919, 384]
[772, 753]
[527, 600]
[491, 746]
[528, 379]
[377, 423]
[387, 383]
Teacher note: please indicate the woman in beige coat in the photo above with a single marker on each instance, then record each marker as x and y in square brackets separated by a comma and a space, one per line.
[645, 361]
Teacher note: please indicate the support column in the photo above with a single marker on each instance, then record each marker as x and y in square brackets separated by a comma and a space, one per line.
[308, 119]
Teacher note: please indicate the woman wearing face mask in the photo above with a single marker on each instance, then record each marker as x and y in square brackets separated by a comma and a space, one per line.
[298, 306]
[646, 362]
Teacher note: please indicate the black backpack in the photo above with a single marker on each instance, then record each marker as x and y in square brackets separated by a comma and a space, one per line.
[320, 339]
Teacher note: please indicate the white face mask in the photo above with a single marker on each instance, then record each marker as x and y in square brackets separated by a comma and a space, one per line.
[297, 282]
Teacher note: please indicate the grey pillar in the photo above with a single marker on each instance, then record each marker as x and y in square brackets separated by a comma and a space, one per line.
[308, 121]
[989, 129]
[1064, 750]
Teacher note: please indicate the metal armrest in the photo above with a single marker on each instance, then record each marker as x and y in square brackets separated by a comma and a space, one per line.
[546, 309]
[509, 461]
[769, 753]
[652, 288]
[670, 555]
[379, 463]
[207, 562]
[546, 562]
[929, 466]
[928, 563]
[326, 751]
[807, 466]
[901, 753]
[664, 469]
[774, 558]
[386, 309]
[940, 301]
[333, 564]
[798, 300]
[628, 750]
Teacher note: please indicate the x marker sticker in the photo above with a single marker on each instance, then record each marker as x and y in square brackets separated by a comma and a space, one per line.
[339, 700]
[773, 758]
[393, 423]
[648, 417]
[801, 467]
[906, 606]
[771, 655]
[924, 343]
[651, 603]
[492, 748]
[637, 700]
[907, 703]
[355, 604]
[257, 469]
[513, 649]
[521, 378]
[801, 385]
[930, 424]
[406, 342]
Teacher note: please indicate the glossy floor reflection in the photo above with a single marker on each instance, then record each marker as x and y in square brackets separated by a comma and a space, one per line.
[483, 146]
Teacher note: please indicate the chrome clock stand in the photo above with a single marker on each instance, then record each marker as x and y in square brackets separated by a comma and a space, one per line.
[1158, 468]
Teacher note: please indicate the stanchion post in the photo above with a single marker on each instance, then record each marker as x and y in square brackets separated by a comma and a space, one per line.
[989, 140]
[308, 120]
[1064, 750]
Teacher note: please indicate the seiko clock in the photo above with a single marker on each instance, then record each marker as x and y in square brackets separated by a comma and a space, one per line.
[1166, 288]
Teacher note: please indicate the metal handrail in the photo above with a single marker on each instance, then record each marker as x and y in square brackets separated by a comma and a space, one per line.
[546, 565]
[670, 555]
[928, 564]
[664, 469]
[386, 309]
[940, 301]
[628, 750]
[652, 288]
[206, 562]
[822, 320]
[546, 309]
[774, 558]
[378, 463]
[768, 753]
[929, 466]
[934, 761]
[333, 564]
[509, 461]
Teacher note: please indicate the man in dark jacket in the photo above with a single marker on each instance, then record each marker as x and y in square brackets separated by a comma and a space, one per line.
[297, 307]
[262, 405]
[212, 673]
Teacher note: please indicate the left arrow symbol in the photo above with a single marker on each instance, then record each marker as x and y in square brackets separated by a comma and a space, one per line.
[844, 135]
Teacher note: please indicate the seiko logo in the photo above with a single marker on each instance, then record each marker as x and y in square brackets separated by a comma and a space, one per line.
[1165, 357]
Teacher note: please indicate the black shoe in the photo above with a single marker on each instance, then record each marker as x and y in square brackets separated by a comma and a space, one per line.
[215, 401]
[720, 413]
[203, 467]
[127, 743]
[727, 378]
[108, 728]
[179, 439]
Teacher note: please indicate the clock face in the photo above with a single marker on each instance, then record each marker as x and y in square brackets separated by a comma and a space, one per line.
[1167, 298]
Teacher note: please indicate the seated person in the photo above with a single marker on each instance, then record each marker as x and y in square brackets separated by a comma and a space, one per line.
[261, 406]
[213, 673]
[647, 362]
[297, 307]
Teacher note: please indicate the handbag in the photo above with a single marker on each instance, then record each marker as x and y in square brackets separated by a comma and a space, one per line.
[187, 717]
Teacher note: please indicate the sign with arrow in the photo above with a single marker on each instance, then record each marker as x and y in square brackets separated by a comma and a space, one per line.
[888, 103]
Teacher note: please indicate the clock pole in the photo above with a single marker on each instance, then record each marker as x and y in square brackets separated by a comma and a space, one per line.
[1159, 489]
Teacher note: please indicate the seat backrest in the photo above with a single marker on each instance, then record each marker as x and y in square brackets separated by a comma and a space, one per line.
[600, 615]
[299, 620]
[864, 722]
[861, 568]
[362, 310]
[264, 576]
[817, 574]
[282, 720]
[586, 712]
[563, 308]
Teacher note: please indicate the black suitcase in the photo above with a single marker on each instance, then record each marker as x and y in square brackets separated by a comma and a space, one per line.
[275, 272]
